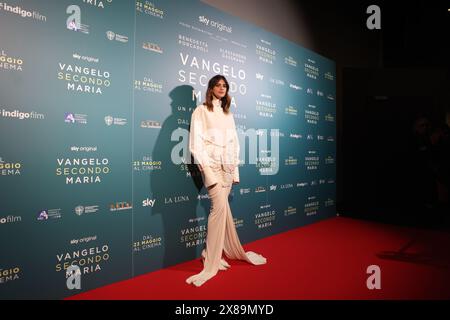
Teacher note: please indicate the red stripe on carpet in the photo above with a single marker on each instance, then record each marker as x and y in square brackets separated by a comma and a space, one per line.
[325, 260]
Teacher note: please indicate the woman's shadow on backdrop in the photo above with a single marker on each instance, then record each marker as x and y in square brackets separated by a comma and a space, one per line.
[176, 187]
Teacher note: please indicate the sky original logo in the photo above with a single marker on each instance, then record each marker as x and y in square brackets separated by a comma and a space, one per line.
[85, 58]
[215, 24]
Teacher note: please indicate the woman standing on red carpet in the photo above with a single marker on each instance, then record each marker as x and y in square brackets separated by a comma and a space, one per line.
[214, 143]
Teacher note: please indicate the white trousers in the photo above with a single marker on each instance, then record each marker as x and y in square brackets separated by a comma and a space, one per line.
[221, 237]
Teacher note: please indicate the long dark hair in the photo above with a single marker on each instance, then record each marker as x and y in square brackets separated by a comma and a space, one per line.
[225, 101]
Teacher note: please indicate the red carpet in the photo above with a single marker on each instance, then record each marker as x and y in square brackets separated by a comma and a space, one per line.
[325, 260]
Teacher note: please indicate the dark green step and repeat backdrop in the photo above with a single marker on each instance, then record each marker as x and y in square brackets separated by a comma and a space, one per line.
[95, 103]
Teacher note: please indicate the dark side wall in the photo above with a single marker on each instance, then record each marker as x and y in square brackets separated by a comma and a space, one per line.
[384, 78]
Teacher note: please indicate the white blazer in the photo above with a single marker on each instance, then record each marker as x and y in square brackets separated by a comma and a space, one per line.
[214, 143]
